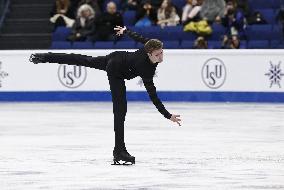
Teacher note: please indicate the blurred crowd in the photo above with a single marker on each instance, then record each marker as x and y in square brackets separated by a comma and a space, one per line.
[95, 19]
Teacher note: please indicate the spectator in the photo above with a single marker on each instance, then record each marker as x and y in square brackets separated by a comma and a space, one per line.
[200, 43]
[84, 24]
[230, 43]
[130, 5]
[256, 18]
[191, 11]
[167, 15]
[234, 22]
[212, 10]
[61, 14]
[146, 14]
[94, 4]
[106, 22]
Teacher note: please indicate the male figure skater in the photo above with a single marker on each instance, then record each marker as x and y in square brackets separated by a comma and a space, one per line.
[120, 65]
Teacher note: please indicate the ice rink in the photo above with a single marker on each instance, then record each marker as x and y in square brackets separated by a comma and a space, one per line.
[68, 146]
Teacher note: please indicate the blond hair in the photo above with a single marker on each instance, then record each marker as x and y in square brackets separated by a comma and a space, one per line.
[85, 7]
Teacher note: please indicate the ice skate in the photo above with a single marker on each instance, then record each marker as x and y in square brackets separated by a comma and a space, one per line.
[37, 58]
[123, 158]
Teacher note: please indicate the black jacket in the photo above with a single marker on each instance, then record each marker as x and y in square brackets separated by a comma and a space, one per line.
[129, 65]
[119, 64]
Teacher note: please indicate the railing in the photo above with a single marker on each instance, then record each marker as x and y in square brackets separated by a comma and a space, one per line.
[3, 10]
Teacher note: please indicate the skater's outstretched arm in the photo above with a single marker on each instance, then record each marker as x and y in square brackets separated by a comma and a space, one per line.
[134, 35]
[151, 89]
[63, 58]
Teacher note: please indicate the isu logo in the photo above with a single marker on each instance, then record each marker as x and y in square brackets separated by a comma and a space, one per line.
[275, 74]
[72, 76]
[214, 73]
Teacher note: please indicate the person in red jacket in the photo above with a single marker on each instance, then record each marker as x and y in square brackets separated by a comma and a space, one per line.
[120, 65]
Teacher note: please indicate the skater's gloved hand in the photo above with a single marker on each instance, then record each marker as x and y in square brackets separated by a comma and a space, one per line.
[37, 58]
[176, 119]
[119, 30]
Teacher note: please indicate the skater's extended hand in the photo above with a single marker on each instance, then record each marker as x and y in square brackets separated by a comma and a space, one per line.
[175, 118]
[119, 30]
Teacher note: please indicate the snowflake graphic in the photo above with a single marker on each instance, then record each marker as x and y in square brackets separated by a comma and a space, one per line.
[3, 74]
[275, 75]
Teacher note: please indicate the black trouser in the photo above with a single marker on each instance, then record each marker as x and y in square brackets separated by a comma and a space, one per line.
[117, 87]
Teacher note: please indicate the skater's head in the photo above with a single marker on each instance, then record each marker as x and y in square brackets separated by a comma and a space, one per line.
[154, 49]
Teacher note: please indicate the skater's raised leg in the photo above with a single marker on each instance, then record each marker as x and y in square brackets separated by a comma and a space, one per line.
[99, 62]
[118, 91]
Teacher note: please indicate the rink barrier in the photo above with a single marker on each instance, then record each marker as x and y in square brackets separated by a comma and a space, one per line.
[185, 75]
[264, 97]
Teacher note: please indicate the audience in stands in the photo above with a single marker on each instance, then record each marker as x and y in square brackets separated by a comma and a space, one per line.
[61, 14]
[200, 43]
[198, 16]
[84, 24]
[146, 14]
[167, 14]
[230, 43]
[106, 22]
[212, 10]
[191, 11]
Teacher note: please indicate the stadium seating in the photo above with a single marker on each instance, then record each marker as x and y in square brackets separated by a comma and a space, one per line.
[61, 33]
[258, 44]
[129, 18]
[82, 45]
[125, 45]
[103, 45]
[60, 45]
[257, 36]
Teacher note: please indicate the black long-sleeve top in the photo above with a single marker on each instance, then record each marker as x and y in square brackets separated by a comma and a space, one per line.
[135, 64]
[121, 64]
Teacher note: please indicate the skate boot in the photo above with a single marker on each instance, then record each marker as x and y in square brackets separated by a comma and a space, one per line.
[123, 156]
[37, 58]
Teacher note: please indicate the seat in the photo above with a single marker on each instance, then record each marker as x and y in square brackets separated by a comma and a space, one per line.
[171, 44]
[129, 18]
[259, 32]
[243, 44]
[60, 45]
[259, 4]
[214, 44]
[82, 45]
[103, 45]
[276, 44]
[186, 44]
[125, 45]
[187, 36]
[258, 44]
[61, 33]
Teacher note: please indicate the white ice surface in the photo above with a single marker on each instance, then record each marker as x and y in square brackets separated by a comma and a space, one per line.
[68, 146]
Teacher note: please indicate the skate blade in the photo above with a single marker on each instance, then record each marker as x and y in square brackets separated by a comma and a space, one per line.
[123, 163]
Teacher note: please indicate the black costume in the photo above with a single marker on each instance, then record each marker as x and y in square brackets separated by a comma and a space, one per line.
[119, 65]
